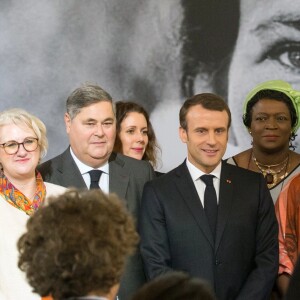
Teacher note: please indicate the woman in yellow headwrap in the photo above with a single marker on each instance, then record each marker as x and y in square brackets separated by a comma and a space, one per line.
[271, 115]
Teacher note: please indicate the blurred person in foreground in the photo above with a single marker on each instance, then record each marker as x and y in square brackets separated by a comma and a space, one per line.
[76, 247]
[23, 143]
[135, 135]
[175, 286]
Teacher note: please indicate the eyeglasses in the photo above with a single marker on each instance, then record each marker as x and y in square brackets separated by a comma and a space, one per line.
[12, 147]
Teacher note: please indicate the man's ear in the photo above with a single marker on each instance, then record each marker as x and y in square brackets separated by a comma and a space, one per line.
[183, 135]
[67, 122]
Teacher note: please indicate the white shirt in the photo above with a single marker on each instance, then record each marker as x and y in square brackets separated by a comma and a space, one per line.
[84, 169]
[13, 283]
[199, 184]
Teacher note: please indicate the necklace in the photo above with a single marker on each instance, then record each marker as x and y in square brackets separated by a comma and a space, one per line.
[270, 166]
[270, 174]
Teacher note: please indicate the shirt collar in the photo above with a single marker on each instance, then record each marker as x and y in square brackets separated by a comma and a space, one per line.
[196, 173]
[83, 168]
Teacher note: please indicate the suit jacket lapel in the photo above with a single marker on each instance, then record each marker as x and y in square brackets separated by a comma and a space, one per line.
[70, 172]
[118, 176]
[189, 194]
[225, 201]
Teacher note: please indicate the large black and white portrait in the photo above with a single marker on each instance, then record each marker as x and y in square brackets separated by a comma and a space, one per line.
[155, 52]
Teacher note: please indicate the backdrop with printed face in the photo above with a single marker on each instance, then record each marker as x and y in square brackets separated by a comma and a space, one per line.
[154, 52]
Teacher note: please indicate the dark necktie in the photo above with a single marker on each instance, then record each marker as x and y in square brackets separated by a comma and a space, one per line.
[210, 202]
[95, 176]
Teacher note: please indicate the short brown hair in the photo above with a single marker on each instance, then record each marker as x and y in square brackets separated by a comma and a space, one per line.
[77, 244]
[206, 100]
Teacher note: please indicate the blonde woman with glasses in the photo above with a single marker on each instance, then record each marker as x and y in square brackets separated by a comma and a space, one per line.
[23, 143]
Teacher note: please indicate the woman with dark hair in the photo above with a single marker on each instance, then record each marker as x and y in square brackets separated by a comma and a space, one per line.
[271, 116]
[135, 135]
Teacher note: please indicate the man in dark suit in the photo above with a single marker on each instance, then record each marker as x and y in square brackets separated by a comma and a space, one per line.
[90, 162]
[223, 229]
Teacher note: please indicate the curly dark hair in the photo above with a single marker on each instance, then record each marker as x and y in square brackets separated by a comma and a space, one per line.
[123, 108]
[175, 286]
[77, 244]
[274, 95]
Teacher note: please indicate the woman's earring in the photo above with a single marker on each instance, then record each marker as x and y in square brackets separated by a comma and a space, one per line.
[250, 132]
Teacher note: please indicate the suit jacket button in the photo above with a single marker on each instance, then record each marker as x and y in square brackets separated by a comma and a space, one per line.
[217, 262]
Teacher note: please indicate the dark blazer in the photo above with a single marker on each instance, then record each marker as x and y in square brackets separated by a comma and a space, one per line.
[127, 177]
[175, 235]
